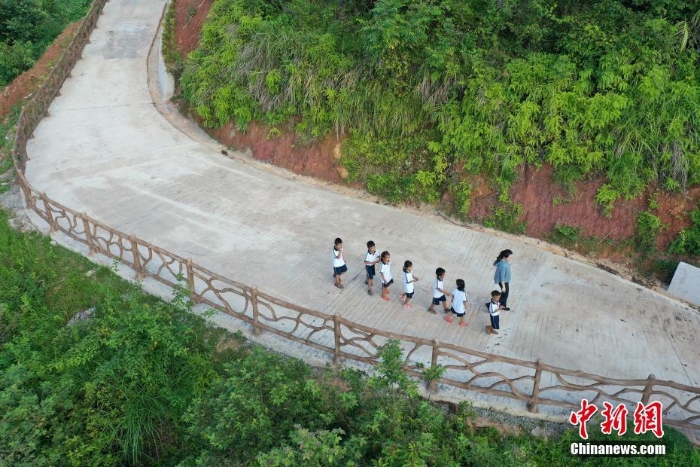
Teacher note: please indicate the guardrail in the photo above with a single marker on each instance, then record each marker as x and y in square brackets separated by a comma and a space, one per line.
[533, 384]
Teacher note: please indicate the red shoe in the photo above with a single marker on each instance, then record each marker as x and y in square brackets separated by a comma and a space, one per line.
[449, 319]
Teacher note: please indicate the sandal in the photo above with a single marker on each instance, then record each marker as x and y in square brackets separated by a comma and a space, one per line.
[463, 324]
[385, 297]
[340, 286]
[449, 319]
[370, 292]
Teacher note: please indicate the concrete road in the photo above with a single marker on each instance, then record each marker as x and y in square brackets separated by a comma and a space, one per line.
[106, 150]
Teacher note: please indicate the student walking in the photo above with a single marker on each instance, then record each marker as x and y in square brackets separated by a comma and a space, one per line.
[502, 275]
[339, 266]
[408, 280]
[371, 258]
[385, 273]
[494, 307]
[439, 295]
[459, 304]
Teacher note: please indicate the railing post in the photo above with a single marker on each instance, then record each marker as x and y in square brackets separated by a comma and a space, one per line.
[24, 185]
[651, 379]
[532, 406]
[254, 300]
[336, 334]
[137, 259]
[49, 214]
[432, 387]
[88, 235]
[190, 281]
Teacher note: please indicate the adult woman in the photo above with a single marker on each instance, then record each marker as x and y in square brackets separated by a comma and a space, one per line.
[502, 275]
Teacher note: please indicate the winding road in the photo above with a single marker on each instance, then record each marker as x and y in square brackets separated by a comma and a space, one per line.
[108, 149]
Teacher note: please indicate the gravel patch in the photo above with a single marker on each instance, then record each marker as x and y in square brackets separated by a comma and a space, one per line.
[11, 201]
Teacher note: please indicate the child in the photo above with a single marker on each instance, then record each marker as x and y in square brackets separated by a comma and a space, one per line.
[385, 272]
[438, 293]
[459, 303]
[408, 280]
[494, 306]
[339, 266]
[371, 258]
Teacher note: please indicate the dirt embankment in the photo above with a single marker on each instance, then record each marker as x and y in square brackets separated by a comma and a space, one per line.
[545, 204]
[189, 19]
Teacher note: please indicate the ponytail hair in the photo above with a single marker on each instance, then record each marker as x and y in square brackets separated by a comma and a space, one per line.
[504, 254]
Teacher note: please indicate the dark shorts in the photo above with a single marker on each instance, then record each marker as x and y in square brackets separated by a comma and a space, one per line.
[340, 270]
[495, 321]
[459, 315]
[436, 301]
[370, 271]
[388, 283]
[409, 294]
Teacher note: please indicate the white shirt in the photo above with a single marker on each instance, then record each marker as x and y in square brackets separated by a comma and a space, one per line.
[438, 285]
[408, 282]
[493, 308]
[458, 299]
[371, 258]
[385, 271]
[338, 262]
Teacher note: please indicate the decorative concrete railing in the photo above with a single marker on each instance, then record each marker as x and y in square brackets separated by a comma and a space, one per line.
[533, 384]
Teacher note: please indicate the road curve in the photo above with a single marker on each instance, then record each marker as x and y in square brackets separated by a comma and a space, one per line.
[106, 150]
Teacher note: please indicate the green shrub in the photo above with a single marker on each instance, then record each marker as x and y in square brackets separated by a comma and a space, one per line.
[255, 407]
[313, 449]
[648, 228]
[688, 240]
[606, 196]
[506, 217]
[173, 60]
[567, 234]
[463, 194]
[14, 59]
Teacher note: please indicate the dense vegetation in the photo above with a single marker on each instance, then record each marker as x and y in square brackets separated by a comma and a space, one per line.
[143, 382]
[431, 92]
[27, 27]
